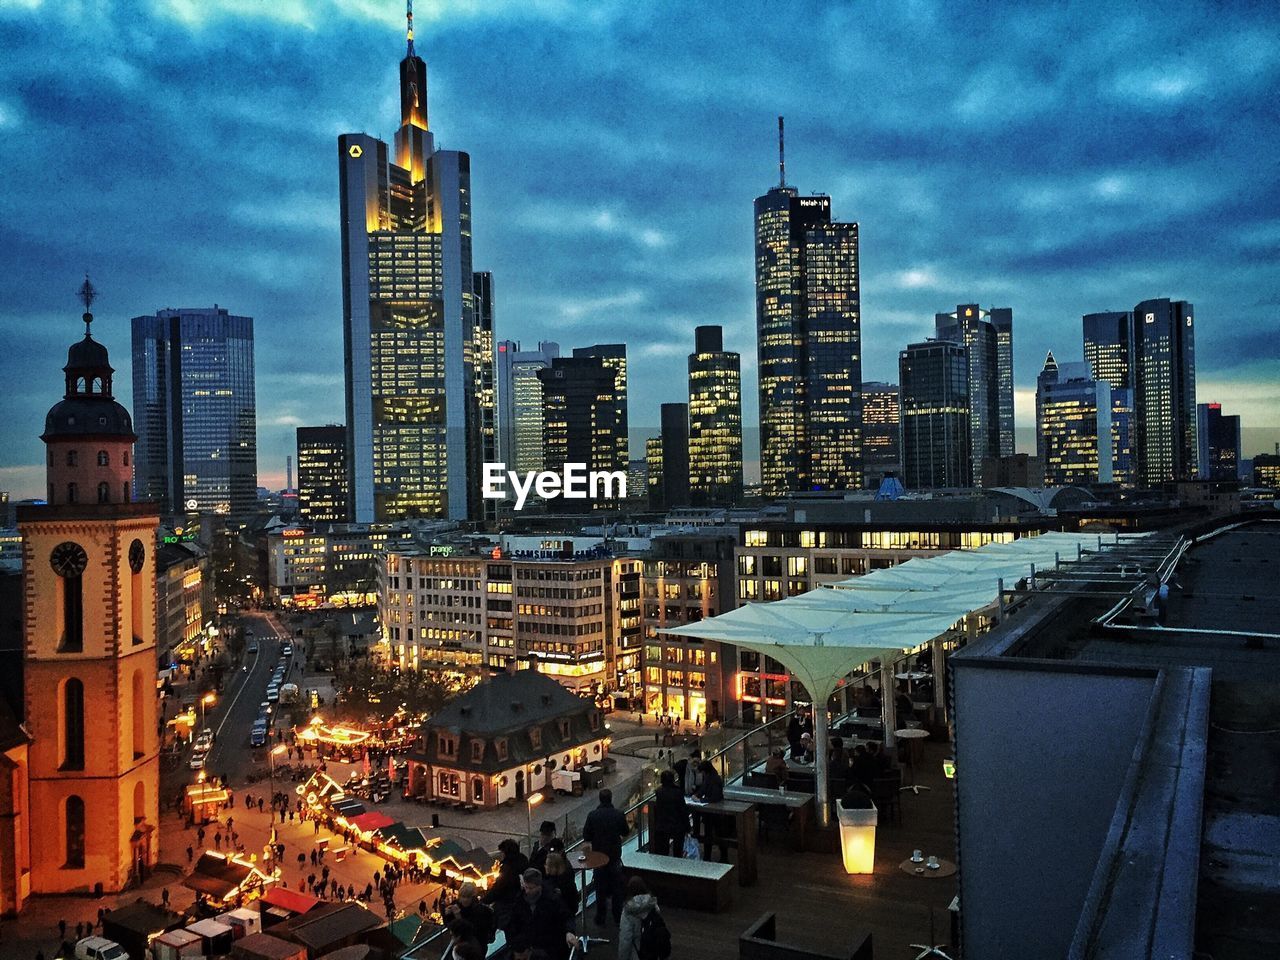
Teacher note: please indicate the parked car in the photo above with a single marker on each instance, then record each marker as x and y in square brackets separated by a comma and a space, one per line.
[197, 761]
[258, 735]
[99, 948]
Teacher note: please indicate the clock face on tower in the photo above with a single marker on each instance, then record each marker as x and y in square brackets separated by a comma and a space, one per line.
[68, 559]
[137, 554]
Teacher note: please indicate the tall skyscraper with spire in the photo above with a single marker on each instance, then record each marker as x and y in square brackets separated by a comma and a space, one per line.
[808, 342]
[411, 324]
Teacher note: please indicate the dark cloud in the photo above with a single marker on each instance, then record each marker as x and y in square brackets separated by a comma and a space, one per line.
[1054, 159]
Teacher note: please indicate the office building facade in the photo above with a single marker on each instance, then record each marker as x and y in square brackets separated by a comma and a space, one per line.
[809, 345]
[519, 403]
[987, 336]
[1073, 425]
[1108, 347]
[1218, 441]
[672, 480]
[193, 392]
[582, 421]
[715, 421]
[614, 357]
[412, 344]
[323, 493]
[934, 405]
[1164, 391]
[881, 451]
[485, 372]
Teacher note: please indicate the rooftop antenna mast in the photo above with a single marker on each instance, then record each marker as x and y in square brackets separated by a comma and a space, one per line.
[409, 30]
[782, 158]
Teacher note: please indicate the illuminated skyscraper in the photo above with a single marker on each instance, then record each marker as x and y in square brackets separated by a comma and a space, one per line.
[1108, 347]
[193, 391]
[809, 344]
[483, 366]
[1164, 394]
[614, 357]
[881, 454]
[672, 481]
[414, 421]
[323, 493]
[1219, 443]
[987, 336]
[519, 403]
[580, 414]
[1073, 425]
[715, 421]
[935, 415]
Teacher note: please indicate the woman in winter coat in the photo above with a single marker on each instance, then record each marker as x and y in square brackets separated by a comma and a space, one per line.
[640, 902]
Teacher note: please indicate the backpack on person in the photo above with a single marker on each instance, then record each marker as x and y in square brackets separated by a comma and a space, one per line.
[654, 942]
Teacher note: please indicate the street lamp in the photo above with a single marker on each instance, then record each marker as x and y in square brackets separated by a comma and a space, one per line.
[531, 801]
[271, 757]
[207, 700]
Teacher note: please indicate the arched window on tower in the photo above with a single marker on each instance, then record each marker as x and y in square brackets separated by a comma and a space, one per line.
[138, 716]
[97, 385]
[72, 725]
[75, 833]
[104, 492]
[104, 458]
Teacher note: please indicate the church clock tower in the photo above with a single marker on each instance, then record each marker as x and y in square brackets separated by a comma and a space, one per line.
[90, 654]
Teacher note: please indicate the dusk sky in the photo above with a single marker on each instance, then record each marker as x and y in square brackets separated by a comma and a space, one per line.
[1057, 161]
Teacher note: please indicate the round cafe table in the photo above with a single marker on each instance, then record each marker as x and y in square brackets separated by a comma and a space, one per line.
[913, 737]
[581, 863]
[945, 869]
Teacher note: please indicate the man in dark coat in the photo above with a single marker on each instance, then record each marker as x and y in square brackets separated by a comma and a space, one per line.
[540, 921]
[605, 829]
[506, 888]
[670, 818]
[538, 858]
[469, 908]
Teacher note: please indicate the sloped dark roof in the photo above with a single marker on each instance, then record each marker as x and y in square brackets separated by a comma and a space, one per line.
[216, 876]
[508, 702]
[328, 924]
[142, 917]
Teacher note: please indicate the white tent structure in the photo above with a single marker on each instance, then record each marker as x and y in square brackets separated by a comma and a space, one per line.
[827, 633]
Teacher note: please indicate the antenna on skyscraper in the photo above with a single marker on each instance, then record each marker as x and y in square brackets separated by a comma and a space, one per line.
[782, 158]
[408, 15]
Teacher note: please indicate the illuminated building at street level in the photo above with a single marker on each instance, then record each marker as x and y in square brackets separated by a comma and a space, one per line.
[1075, 436]
[323, 491]
[411, 320]
[987, 336]
[519, 403]
[1266, 470]
[89, 622]
[1108, 347]
[573, 615]
[934, 405]
[193, 390]
[582, 420]
[687, 577]
[1164, 391]
[330, 563]
[1218, 436]
[880, 432]
[808, 344]
[715, 421]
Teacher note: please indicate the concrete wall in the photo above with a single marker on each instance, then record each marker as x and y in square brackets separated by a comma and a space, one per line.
[1041, 754]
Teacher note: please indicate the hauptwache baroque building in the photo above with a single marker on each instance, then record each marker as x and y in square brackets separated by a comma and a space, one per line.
[79, 776]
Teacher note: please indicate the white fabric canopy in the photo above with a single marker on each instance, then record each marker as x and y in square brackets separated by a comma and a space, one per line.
[828, 632]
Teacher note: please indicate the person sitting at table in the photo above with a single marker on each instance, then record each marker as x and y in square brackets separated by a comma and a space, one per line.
[863, 768]
[805, 754]
[837, 765]
[903, 704]
[776, 767]
[670, 817]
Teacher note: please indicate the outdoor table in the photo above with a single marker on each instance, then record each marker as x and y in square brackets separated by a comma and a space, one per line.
[800, 805]
[744, 817]
[582, 862]
[945, 869]
[912, 737]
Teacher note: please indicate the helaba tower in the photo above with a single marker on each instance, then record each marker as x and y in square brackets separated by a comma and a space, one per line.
[411, 344]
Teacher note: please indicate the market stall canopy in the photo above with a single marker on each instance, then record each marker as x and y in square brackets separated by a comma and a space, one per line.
[373, 820]
[404, 837]
[222, 877]
[291, 900]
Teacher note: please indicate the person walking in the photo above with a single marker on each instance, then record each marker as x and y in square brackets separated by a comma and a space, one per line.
[670, 817]
[643, 934]
[605, 829]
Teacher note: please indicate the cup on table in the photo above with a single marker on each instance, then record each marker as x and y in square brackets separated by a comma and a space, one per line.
[916, 856]
[933, 863]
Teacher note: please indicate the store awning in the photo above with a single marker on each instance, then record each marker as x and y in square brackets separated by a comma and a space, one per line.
[368, 822]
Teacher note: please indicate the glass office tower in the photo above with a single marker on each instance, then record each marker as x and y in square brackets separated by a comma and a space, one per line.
[809, 345]
[323, 493]
[519, 403]
[1218, 437]
[414, 422]
[881, 454]
[715, 421]
[987, 336]
[580, 420]
[1164, 391]
[1073, 425]
[1108, 347]
[934, 405]
[195, 412]
[614, 357]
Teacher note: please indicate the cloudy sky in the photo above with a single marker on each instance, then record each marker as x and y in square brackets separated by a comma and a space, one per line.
[1058, 161]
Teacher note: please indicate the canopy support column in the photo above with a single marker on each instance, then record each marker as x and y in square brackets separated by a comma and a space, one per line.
[820, 765]
[938, 648]
[888, 709]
